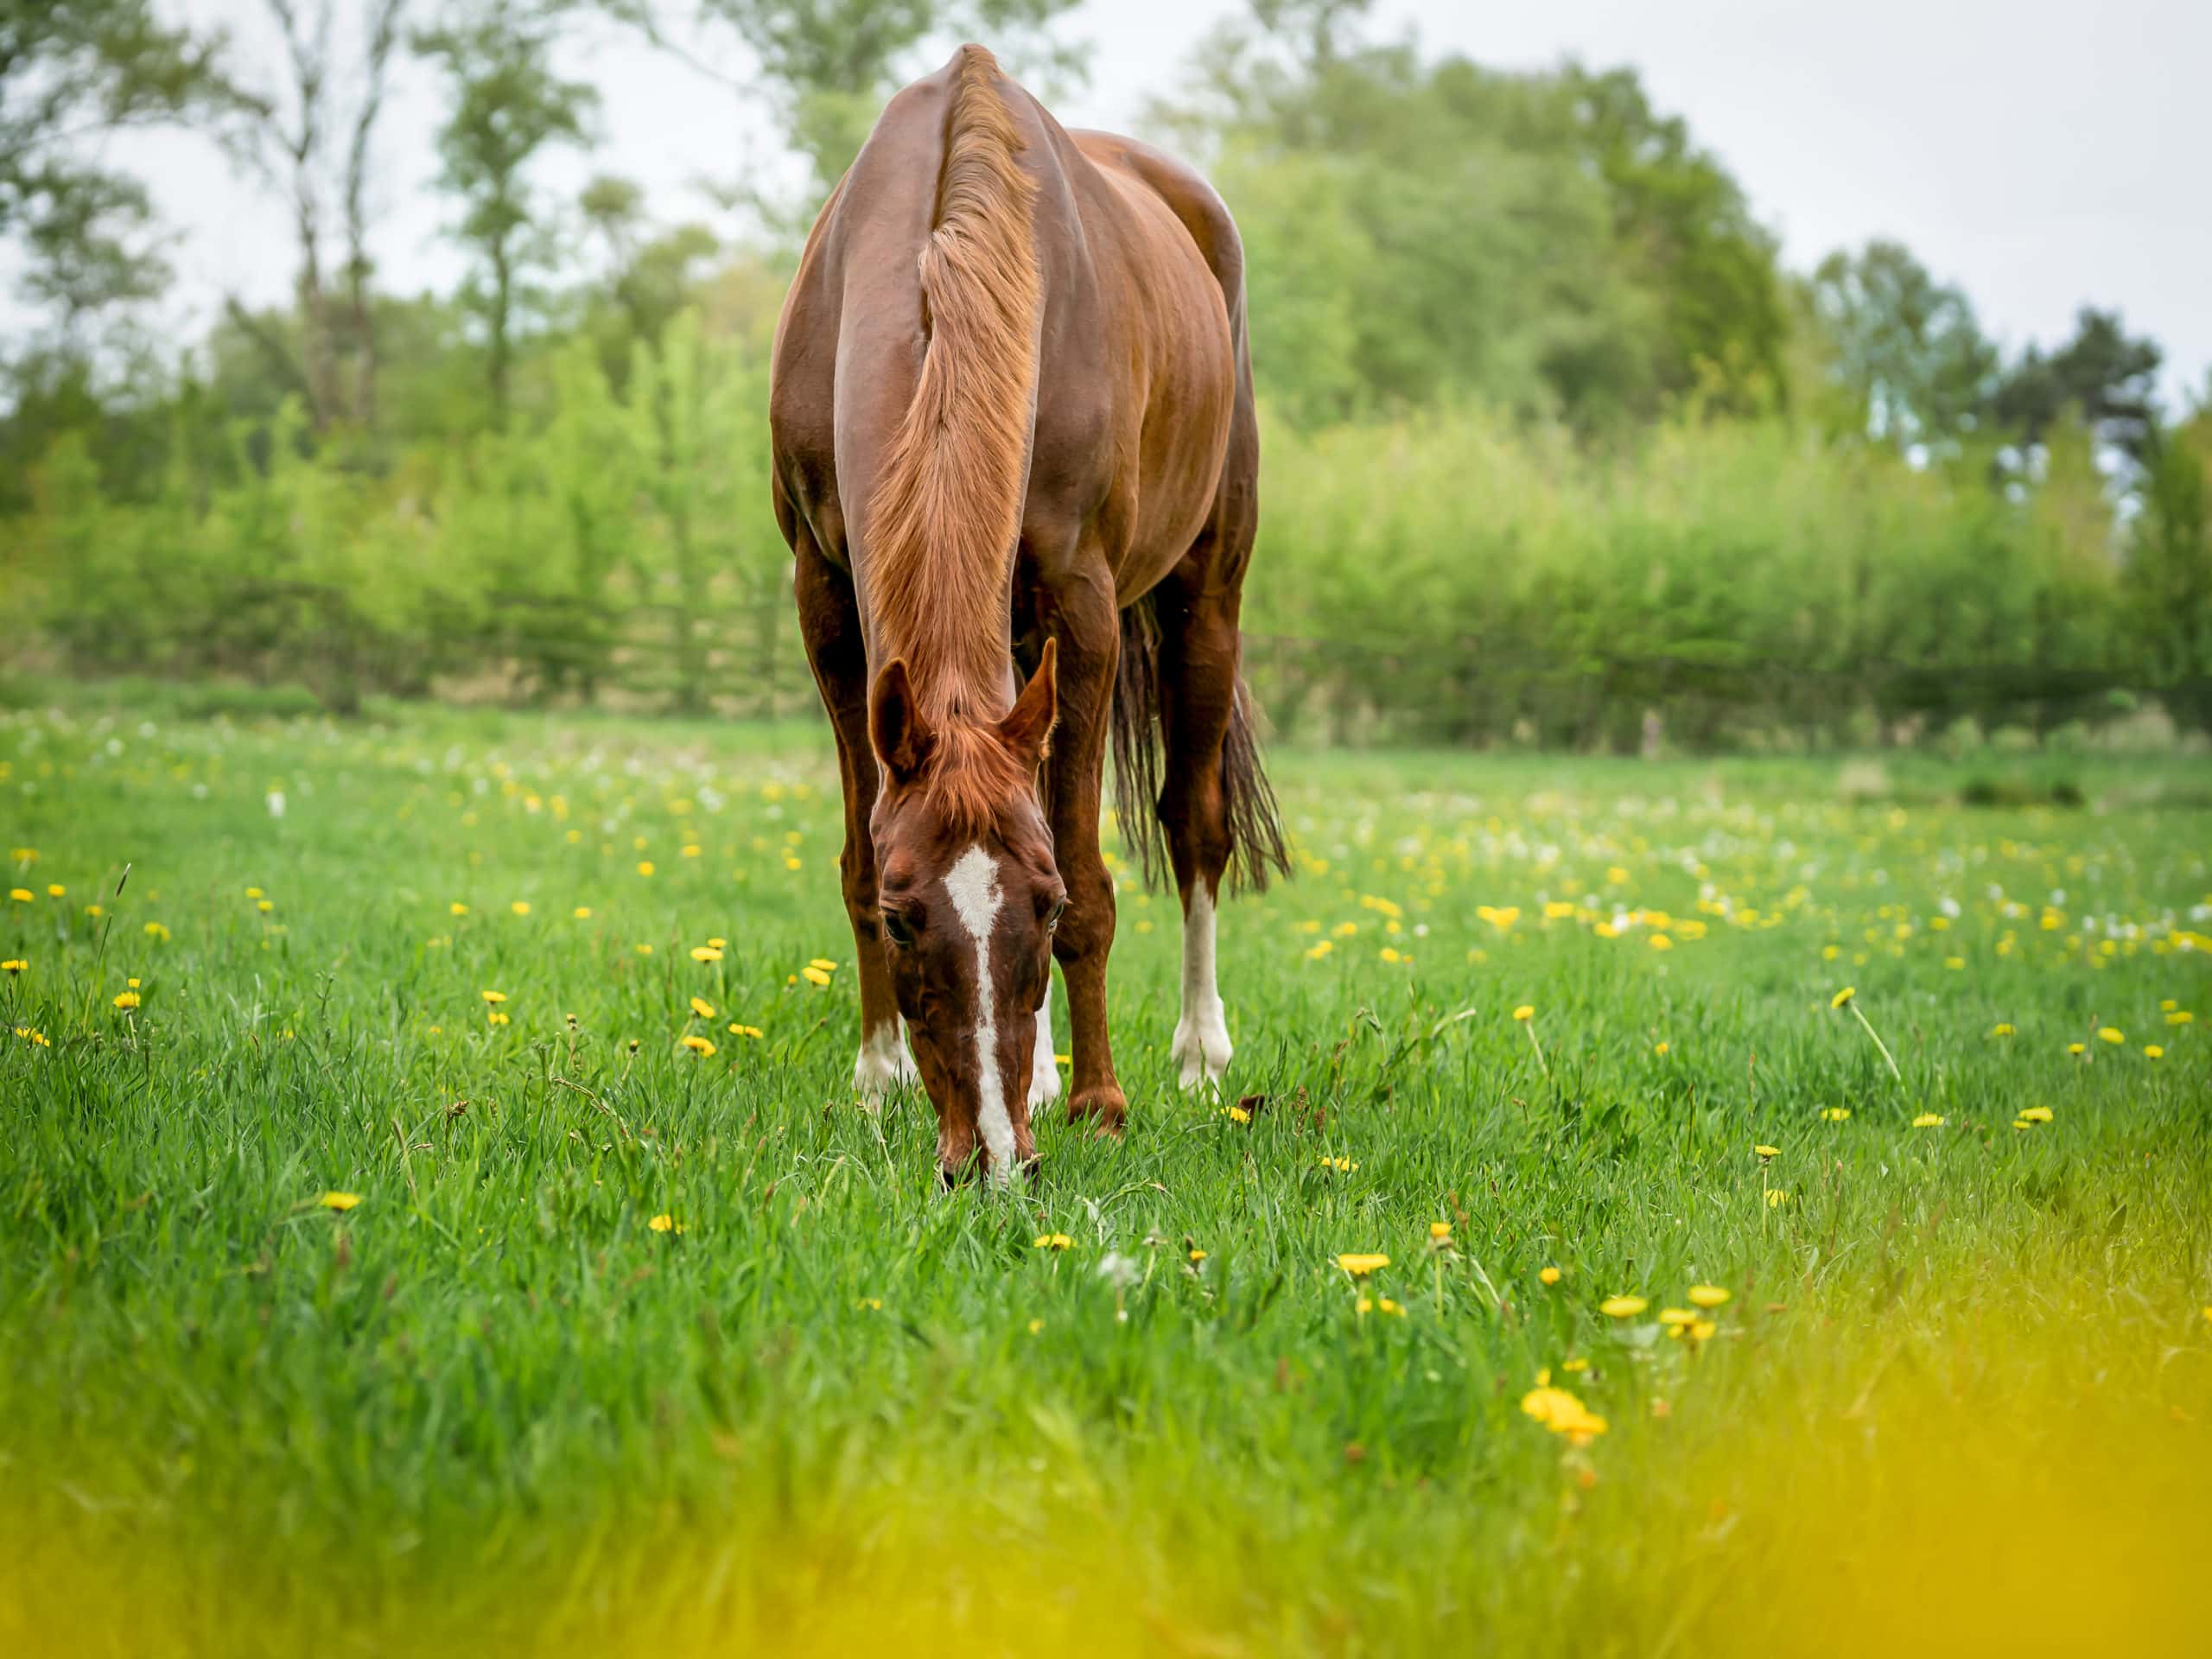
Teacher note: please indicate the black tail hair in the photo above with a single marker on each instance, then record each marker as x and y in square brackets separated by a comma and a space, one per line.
[1256, 845]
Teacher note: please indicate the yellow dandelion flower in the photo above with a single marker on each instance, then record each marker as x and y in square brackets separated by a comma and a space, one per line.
[13, 965]
[1196, 1256]
[1548, 1275]
[1623, 1307]
[338, 1200]
[1525, 1012]
[1661, 1048]
[493, 997]
[824, 963]
[1359, 1265]
[1439, 1229]
[1053, 1242]
[56, 890]
[814, 975]
[126, 1001]
[521, 907]
[1765, 1152]
[1562, 1413]
[2077, 1048]
[705, 953]
[20, 895]
[2111, 1034]
[1843, 996]
[1835, 1114]
[704, 1008]
[1237, 1114]
[698, 1046]
[1387, 1305]
[2179, 1017]
[2035, 1115]
[2153, 1052]
[1319, 949]
[581, 912]
[754, 1031]
[1709, 1296]
[665, 1223]
[644, 866]
[1777, 1197]
[456, 909]
[2003, 1028]
[717, 945]
[1929, 1121]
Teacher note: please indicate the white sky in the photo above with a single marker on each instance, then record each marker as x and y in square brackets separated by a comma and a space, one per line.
[2041, 154]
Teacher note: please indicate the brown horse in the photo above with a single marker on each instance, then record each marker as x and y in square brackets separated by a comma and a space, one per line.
[1016, 461]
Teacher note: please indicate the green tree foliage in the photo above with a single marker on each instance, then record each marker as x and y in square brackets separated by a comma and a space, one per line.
[1546, 241]
[1908, 351]
[67, 72]
[828, 65]
[508, 105]
[2109, 378]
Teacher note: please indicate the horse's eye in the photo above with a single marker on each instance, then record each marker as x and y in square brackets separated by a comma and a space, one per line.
[900, 927]
[1052, 921]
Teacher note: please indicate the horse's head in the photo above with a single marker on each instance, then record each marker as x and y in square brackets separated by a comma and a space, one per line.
[969, 896]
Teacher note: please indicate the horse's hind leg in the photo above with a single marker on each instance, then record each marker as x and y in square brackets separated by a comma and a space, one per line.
[830, 620]
[1199, 654]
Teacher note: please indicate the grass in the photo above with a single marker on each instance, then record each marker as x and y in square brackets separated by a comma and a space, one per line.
[1960, 1396]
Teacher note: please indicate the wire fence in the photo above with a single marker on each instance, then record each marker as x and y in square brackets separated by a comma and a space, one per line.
[741, 657]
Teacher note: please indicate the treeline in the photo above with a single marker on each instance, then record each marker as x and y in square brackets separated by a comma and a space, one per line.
[1557, 450]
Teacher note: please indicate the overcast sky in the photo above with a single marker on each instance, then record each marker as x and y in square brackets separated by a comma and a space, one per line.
[2041, 154]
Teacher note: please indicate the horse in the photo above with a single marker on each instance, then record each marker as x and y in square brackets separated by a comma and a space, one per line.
[1016, 456]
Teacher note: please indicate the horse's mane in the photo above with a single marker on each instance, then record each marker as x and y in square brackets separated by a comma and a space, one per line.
[946, 510]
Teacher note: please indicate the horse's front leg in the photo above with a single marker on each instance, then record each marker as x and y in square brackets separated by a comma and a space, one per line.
[829, 621]
[1080, 613]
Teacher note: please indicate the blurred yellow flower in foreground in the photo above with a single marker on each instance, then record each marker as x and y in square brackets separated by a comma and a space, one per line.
[1709, 1295]
[1842, 996]
[1623, 1307]
[1548, 1275]
[1563, 1414]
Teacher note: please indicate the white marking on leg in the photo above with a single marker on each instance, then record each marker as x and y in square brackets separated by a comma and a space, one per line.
[1201, 1046]
[883, 1064]
[972, 884]
[1044, 1071]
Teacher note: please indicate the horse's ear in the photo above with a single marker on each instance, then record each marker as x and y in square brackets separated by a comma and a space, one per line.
[1027, 727]
[895, 725]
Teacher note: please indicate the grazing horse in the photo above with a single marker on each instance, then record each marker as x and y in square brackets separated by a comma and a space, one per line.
[1016, 461]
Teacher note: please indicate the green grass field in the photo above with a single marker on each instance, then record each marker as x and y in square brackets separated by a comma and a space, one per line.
[628, 1347]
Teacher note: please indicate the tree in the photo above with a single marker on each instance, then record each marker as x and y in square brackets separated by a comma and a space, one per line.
[68, 74]
[1546, 241]
[831, 64]
[2110, 378]
[308, 135]
[1908, 349]
[508, 105]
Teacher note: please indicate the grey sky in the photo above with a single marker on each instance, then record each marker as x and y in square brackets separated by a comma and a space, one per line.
[2041, 154]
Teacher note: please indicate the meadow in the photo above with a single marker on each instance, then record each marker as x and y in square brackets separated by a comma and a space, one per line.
[1734, 1206]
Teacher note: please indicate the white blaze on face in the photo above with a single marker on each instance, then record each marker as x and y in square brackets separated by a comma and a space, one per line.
[1201, 1046]
[972, 884]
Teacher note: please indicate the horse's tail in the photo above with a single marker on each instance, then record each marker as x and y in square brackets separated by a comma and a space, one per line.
[946, 511]
[1256, 845]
